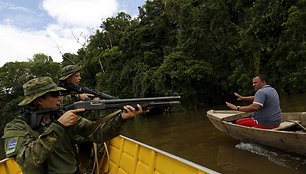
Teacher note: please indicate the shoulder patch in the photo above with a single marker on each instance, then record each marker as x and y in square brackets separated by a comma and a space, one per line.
[11, 145]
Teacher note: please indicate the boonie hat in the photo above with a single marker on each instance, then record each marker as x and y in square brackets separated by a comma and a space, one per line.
[37, 87]
[68, 70]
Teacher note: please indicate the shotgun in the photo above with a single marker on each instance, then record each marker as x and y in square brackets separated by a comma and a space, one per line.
[93, 105]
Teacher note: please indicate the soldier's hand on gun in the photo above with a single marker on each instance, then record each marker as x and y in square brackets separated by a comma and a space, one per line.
[86, 96]
[130, 111]
[70, 117]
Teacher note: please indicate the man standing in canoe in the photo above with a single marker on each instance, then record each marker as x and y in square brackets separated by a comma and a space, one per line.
[265, 106]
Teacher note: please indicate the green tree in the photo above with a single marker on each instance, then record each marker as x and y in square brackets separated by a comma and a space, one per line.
[42, 58]
[12, 76]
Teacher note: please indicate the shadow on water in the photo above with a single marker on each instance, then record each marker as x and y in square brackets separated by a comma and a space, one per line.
[192, 136]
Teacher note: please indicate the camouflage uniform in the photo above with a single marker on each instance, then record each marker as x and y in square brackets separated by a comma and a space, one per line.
[69, 96]
[51, 148]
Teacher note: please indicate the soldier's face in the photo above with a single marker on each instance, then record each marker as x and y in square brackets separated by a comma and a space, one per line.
[49, 100]
[74, 79]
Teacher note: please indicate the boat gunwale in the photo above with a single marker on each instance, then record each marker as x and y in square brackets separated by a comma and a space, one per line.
[4, 160]
[260, 129]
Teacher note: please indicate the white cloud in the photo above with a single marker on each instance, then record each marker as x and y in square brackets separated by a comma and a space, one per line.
[72, 19]
[87, 13]
[19, 45]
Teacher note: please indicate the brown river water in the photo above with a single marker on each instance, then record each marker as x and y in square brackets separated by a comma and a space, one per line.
[192, 136]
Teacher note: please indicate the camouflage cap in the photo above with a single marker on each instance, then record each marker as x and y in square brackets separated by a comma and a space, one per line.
[37, 87]
[68, 70]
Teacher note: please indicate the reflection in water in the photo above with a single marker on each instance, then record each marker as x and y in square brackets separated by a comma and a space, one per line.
[293, 103]
[232, 161]
[225, 159]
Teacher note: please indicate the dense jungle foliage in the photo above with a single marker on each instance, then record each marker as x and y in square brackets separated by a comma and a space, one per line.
[202, 50]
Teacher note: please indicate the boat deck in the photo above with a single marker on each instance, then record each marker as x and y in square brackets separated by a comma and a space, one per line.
[285, 125]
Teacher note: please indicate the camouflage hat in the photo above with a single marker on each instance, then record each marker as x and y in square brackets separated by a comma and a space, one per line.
[68, 70]
[37, 87]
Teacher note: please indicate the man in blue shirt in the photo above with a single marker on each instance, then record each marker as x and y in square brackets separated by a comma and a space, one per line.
[265, 106]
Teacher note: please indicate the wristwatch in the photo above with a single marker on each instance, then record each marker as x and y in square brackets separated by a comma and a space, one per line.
[238, 108]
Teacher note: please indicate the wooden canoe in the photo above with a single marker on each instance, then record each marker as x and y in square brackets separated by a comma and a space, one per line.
[290, 136]
[127, 156]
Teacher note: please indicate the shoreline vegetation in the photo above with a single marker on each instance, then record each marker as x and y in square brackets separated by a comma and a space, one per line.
[202, 50]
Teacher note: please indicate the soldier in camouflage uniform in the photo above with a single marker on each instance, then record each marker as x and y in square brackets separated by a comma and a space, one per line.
[69, 79]
[49, 146]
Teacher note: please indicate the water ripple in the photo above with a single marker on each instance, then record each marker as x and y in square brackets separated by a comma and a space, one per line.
[278, 157]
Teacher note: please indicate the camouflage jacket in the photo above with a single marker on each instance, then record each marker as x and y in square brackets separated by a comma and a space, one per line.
[70, 98]
[70, 95]
[53, 149]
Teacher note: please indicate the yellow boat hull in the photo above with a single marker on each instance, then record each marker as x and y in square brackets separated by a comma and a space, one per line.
[9, 166]
[127, 156]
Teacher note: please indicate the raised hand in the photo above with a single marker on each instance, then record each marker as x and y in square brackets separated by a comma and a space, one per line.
[239, 97]
[232, 106]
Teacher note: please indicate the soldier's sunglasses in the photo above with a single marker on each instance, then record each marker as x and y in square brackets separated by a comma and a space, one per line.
[54, 94]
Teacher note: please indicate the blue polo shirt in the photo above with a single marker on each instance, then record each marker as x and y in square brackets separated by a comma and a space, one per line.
[270, 113]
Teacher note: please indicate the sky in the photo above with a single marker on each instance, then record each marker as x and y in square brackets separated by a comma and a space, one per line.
[53, 27]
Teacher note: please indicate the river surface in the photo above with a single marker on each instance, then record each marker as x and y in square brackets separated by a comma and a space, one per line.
[192, 136]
